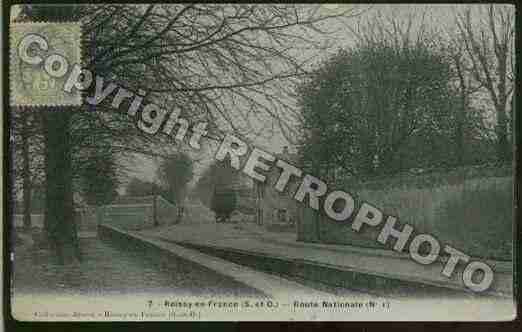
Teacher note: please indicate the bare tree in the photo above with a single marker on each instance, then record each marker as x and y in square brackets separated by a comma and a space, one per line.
[489, 43]
[466, 88]
[219, 63]
[229, 64]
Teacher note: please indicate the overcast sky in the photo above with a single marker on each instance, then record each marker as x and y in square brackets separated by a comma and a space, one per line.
[438, 17]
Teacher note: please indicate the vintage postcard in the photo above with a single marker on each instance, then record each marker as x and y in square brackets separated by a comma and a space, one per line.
[261, 162]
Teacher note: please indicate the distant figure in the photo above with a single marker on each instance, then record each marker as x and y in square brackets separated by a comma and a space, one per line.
[181, 212]
[224, 202]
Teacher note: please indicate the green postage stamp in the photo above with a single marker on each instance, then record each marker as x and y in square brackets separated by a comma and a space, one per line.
[41, 56]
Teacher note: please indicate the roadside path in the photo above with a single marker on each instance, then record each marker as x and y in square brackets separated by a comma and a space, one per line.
[106, 270]
[253, 239]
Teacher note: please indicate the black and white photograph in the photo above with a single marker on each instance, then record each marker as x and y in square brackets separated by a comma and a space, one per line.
[260, 162]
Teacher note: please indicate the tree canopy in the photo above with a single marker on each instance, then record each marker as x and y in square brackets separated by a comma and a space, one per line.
[217, 175]
[379, 107]
[174, 173]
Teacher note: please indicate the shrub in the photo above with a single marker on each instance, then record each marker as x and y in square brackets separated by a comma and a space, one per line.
[474, 216]
[480, 219]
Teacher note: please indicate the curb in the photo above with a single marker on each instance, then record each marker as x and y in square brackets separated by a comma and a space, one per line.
[165, 254]
[499, 266]
[381, 284]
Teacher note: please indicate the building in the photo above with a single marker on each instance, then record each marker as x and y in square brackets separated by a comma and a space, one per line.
[275, 210]
[242, 185]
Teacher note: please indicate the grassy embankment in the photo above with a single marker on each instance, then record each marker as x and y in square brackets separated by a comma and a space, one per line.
[471, 213]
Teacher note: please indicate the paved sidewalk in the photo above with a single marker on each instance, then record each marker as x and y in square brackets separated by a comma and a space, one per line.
[252, 238]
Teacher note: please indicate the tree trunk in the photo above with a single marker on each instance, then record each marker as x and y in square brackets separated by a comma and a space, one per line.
[59, 195]
[503, 148]
[461, 113]
[45, 229]
[459, 127]
[26, 173]
[317, 215]
[512, 118]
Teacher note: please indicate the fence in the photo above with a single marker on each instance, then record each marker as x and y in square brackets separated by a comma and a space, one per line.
[131, 213]
[85, 219]
[134, 213]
